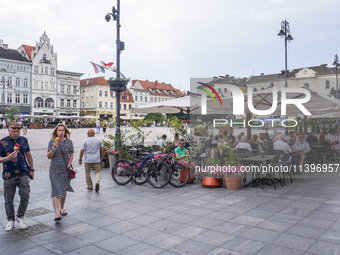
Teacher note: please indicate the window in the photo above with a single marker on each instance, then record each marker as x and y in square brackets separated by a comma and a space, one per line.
[52, 71]
[9, 81]
[25, 98]
[52, 85]
[46, 85]
[106, 94]
[327, 84]
[9, 97]
[124, 106]
[162, 99]
[68, 103]
[36, 69]
[100, 93]
[42, 85]
[111, 105]
[17, 82]
[75, 103]
[141, 98]
[146, 99]
[25, 83]
[62, 103]
[83, 105]
[35, 85]
[42, 70]
[111, 93]
[38, 102]
[100, 104]
[68, 89]
[75, 90]
[130, 106]
[105, 105]
[151, 99]
[136, 97]
[46, 70]
[62, 89]
[44, 56]
[87, 94]
[219, 90]
[225, 90]
[17, 98]
[49, 103]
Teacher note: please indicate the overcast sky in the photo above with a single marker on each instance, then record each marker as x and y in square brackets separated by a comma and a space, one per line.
[173, 40]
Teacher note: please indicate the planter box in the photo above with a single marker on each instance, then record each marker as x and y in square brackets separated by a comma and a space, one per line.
[118, 85]
[112, 160]
[35, 125]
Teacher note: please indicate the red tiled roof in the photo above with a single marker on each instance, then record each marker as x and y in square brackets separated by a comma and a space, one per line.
[93, 81]
[130, 98]
[159, 89]
[180, 93]
[28, 50]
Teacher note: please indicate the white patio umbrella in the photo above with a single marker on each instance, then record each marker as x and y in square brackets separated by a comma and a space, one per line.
[168, 106]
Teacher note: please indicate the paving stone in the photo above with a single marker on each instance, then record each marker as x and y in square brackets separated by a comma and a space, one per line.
[246, 220]
[324, 215]
[277, 226]
[317, 223]
[142, 233]
[275, 250]
[89, 250]
[213, 238]
[193, 247]
[296, 211]
[231, 228]
[322, 248]
[95, 235]
[65, 245]
[331, 236]
[258, 234]
[243, 245]
[306, 231]
[165, 241]
[116, 243]
[140, 249]
[294, 242]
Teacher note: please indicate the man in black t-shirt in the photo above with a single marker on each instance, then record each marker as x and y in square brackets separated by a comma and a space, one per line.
[25, 124]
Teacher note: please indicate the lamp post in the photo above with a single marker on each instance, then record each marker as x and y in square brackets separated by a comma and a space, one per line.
[285, 32]
[336, 64]
[117, 85]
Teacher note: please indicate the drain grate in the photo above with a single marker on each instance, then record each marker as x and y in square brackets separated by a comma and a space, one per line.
[37, 212]
[35, 230]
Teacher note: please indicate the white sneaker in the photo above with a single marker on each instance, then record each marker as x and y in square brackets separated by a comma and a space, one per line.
[10, 225]
[22, 222]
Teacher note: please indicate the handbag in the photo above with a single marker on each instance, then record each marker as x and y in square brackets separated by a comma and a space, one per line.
[71, 171]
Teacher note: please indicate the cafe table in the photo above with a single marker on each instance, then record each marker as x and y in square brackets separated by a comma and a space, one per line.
[258, 160]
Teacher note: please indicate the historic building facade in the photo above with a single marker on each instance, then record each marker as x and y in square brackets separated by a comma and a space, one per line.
[45, 86]
[15, 80]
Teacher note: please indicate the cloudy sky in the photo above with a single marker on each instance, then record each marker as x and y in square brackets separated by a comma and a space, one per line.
[174, 40]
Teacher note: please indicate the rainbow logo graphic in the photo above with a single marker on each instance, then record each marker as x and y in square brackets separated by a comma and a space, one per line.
[209, 93]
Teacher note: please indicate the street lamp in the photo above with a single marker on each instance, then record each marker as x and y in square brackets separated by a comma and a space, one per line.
[285, 32]
[336, 64]
[3, 81]
[117, 85]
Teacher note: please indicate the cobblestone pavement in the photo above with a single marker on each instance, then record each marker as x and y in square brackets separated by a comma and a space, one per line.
[302, 217]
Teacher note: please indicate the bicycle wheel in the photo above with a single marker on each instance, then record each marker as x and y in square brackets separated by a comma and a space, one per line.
[158, 175]
[140, 177]
[179, 175]
[122, 172]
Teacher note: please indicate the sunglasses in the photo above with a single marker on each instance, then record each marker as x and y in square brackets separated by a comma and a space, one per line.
[15, 128]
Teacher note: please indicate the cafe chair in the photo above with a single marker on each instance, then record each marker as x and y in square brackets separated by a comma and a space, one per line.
[285, 162]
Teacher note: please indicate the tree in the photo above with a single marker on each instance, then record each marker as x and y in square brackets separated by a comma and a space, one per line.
[13, 110]
[151, 117]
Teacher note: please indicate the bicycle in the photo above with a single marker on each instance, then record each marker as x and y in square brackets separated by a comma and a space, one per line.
[140, 171]
[179, 172]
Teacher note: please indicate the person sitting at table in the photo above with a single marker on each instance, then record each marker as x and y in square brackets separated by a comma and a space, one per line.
[292, 139]
[311, 138]
[238, 139]
[181, 151]
[254, 143]
[280, 144]
[262, 139]
[214, 142]
[161, 142]
[176, 141]
[243, 144]
[301, 148]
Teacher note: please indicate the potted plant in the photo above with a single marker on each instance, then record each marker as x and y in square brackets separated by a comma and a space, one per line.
[36, 124]
[211, 173]
[113, 156]
[185, 160]
[233, 171]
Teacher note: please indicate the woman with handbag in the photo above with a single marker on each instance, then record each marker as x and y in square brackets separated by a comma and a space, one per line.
[60, 151]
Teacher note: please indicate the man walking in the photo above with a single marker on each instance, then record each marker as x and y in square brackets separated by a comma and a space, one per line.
[25, 125]
[94, 152]
[14, 150]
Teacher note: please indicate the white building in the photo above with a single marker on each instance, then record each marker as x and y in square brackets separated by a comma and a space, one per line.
[15, 80]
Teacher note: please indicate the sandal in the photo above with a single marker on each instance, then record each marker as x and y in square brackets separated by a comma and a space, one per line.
[63, 212]
[57, 218]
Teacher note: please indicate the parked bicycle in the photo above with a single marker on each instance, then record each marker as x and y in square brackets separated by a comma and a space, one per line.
[148, 169]
[179, 172]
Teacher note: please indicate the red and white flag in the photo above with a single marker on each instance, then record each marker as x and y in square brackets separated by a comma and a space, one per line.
[98, 68]
[108, 66]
